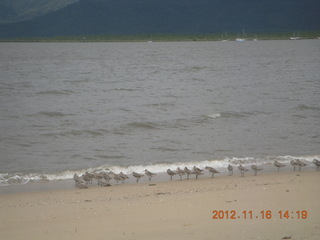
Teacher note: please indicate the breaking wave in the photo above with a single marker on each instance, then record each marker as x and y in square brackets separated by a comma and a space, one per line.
[220, 164]
[214, 115]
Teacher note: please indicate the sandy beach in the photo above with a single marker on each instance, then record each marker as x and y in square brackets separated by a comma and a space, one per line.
[271, 205]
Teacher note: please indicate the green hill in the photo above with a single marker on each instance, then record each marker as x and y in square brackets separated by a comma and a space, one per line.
[19, 10]
[110, 17]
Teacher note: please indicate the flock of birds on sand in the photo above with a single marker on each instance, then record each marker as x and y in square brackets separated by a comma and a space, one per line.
[103, 178]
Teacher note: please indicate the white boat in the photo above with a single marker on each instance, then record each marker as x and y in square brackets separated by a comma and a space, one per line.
[224, 38]
[294, 37]
[150, 40]
[238, 39]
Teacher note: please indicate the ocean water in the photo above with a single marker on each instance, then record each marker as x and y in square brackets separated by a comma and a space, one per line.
[76, 107]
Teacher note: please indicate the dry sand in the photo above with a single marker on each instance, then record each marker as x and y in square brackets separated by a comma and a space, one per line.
[169, 210]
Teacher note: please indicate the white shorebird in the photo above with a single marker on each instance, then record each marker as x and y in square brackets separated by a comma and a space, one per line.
[230, 169]
[137, 175]
[171, 173]
[149, 174]
[187, 171]
[212, 170]
[279, 165]
[180, 172]
[300, 164]
[242, 170]
[317, 163]
[294, 164]
[255, 169]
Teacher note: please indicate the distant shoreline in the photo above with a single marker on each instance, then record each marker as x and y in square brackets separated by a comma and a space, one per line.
[168, 37]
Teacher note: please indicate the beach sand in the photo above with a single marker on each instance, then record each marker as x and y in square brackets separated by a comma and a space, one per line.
[170, 209]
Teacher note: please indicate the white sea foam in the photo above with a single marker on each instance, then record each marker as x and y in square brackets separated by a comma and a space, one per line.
[214, 115]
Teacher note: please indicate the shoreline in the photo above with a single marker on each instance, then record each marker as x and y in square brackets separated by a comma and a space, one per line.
[149, 38]
[169, 209]
[68, 184]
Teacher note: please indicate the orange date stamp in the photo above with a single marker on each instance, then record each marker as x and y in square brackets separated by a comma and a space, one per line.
[264, 214]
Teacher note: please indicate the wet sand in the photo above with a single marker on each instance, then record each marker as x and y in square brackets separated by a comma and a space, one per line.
[171, 209]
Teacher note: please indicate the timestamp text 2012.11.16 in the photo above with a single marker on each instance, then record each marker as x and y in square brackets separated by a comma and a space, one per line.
[264, 214]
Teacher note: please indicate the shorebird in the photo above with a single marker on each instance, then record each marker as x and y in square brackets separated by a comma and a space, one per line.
[87, 177]
[106, 177]
[171, 173]
[242, 170]
[197, 169]
[294, 164]
[279, 165]
[81, 185]
[103, 184]
[197, 172]
[317, 163]
[230, 169]
[149, 174]
[180, 172]
[255, 169]
[123, 176]
[300, 164]
[187, 171]
[98, 176]
[116, 177]
[137, 175]
[76, 178]
[212, 170]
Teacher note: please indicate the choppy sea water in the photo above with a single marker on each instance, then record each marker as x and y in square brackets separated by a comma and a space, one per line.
[76, 107]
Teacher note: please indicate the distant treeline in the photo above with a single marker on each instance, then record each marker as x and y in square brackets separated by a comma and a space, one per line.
[170, 37]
